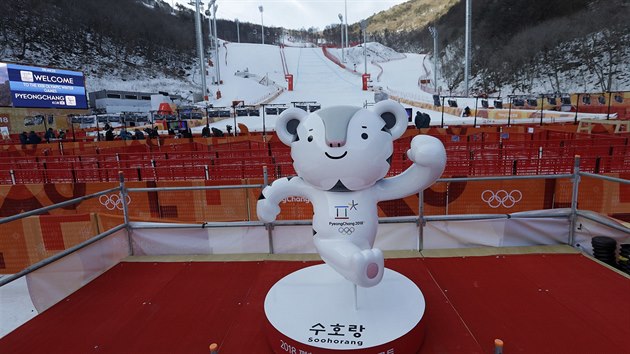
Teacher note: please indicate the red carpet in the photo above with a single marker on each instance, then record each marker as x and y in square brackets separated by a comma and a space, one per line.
[534, 303]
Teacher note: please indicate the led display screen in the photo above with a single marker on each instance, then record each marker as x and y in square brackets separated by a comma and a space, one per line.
[24, 86]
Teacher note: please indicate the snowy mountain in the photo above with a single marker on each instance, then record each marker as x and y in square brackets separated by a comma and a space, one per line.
[148, 45]
[536, 46]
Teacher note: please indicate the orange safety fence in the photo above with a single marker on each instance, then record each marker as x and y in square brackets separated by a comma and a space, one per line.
[26, 241]
[32, 239]
[165, 144]
[239, 204]
[332, 58]
[231, 205]
[455, 111]
[178, 206]
[608, 198]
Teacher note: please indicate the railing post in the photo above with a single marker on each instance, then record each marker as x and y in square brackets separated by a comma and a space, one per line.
[574, 199]
[268, 226]
[12, 173]
[421, 222]
[123, 200]
[265, 176]
[448, 185]
[155, 178]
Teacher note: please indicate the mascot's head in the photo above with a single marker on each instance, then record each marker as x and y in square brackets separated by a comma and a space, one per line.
[342, 148]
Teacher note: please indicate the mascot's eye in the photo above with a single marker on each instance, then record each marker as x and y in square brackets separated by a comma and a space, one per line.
[364, 136]
[310, 138]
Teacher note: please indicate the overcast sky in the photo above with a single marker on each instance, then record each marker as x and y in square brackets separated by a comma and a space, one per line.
[296, 14]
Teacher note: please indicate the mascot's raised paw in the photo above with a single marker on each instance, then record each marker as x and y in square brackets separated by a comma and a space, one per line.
[427, 151]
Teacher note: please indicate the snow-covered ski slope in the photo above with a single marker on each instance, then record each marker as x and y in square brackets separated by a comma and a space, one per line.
[254, 74]
[315, 77]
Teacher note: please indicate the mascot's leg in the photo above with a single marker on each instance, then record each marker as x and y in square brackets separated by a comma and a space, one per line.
[359, 264]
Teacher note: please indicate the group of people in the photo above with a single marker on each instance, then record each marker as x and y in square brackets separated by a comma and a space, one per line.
[110, 134]
[127, 135]
[205, 132]
[180, 133]
[34, 138]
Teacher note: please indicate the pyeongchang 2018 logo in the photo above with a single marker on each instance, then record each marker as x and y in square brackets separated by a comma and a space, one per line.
[501, 198]
[341, 211]
[26, 76]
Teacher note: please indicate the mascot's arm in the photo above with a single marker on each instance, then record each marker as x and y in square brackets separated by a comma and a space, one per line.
[268, 207]
[429, 159]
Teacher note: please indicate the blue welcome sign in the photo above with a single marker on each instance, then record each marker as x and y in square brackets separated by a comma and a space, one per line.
[38, 87]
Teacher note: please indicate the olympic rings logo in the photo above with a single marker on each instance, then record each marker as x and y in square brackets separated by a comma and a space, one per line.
[113, 201]
[346, 230]
[501, 198]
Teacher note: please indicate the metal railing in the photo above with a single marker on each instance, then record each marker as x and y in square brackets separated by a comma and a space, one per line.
[421, 219]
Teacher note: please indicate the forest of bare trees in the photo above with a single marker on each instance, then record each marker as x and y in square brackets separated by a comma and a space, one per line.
[80, 32]
[516, 42]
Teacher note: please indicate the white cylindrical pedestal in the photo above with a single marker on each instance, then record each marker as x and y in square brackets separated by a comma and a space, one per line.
[313, 311]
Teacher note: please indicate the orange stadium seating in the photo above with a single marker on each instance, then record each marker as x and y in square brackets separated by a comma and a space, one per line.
[471, 152]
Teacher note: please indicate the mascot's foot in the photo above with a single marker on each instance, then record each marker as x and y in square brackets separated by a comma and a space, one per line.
[367, 267]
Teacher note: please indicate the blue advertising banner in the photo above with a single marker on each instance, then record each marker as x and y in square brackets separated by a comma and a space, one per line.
[47, 100]
[48, 88]
[36, 87]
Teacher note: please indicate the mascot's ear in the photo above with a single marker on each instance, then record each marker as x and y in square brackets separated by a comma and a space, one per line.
[394, 115]
[287, 123]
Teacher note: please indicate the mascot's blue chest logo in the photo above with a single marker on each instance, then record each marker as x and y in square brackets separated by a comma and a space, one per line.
[342, 211]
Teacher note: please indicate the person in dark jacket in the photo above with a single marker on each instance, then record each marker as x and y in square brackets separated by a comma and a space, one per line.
[33, 138]
[23, 138]
[418, 120]
[138, 135]
[50, 134]
[217, 132]
[426, 120]
[109, 134]
[125, 135]
[422, 120]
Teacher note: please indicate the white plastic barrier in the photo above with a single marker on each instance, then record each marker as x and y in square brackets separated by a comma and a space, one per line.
[52, 283]
[522, 229]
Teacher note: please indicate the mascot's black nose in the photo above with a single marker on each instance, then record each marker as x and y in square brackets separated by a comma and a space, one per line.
[334, 144]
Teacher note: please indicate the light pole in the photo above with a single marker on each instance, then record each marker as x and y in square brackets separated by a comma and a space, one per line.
[468, 44]
[216, 42]
[364, 29]
[343, 60]
[210, 33]
[262, 25]
[210, 30]
[434, 34]
[345, 2]
[542, 107]
[238, 32]
[202, 70]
